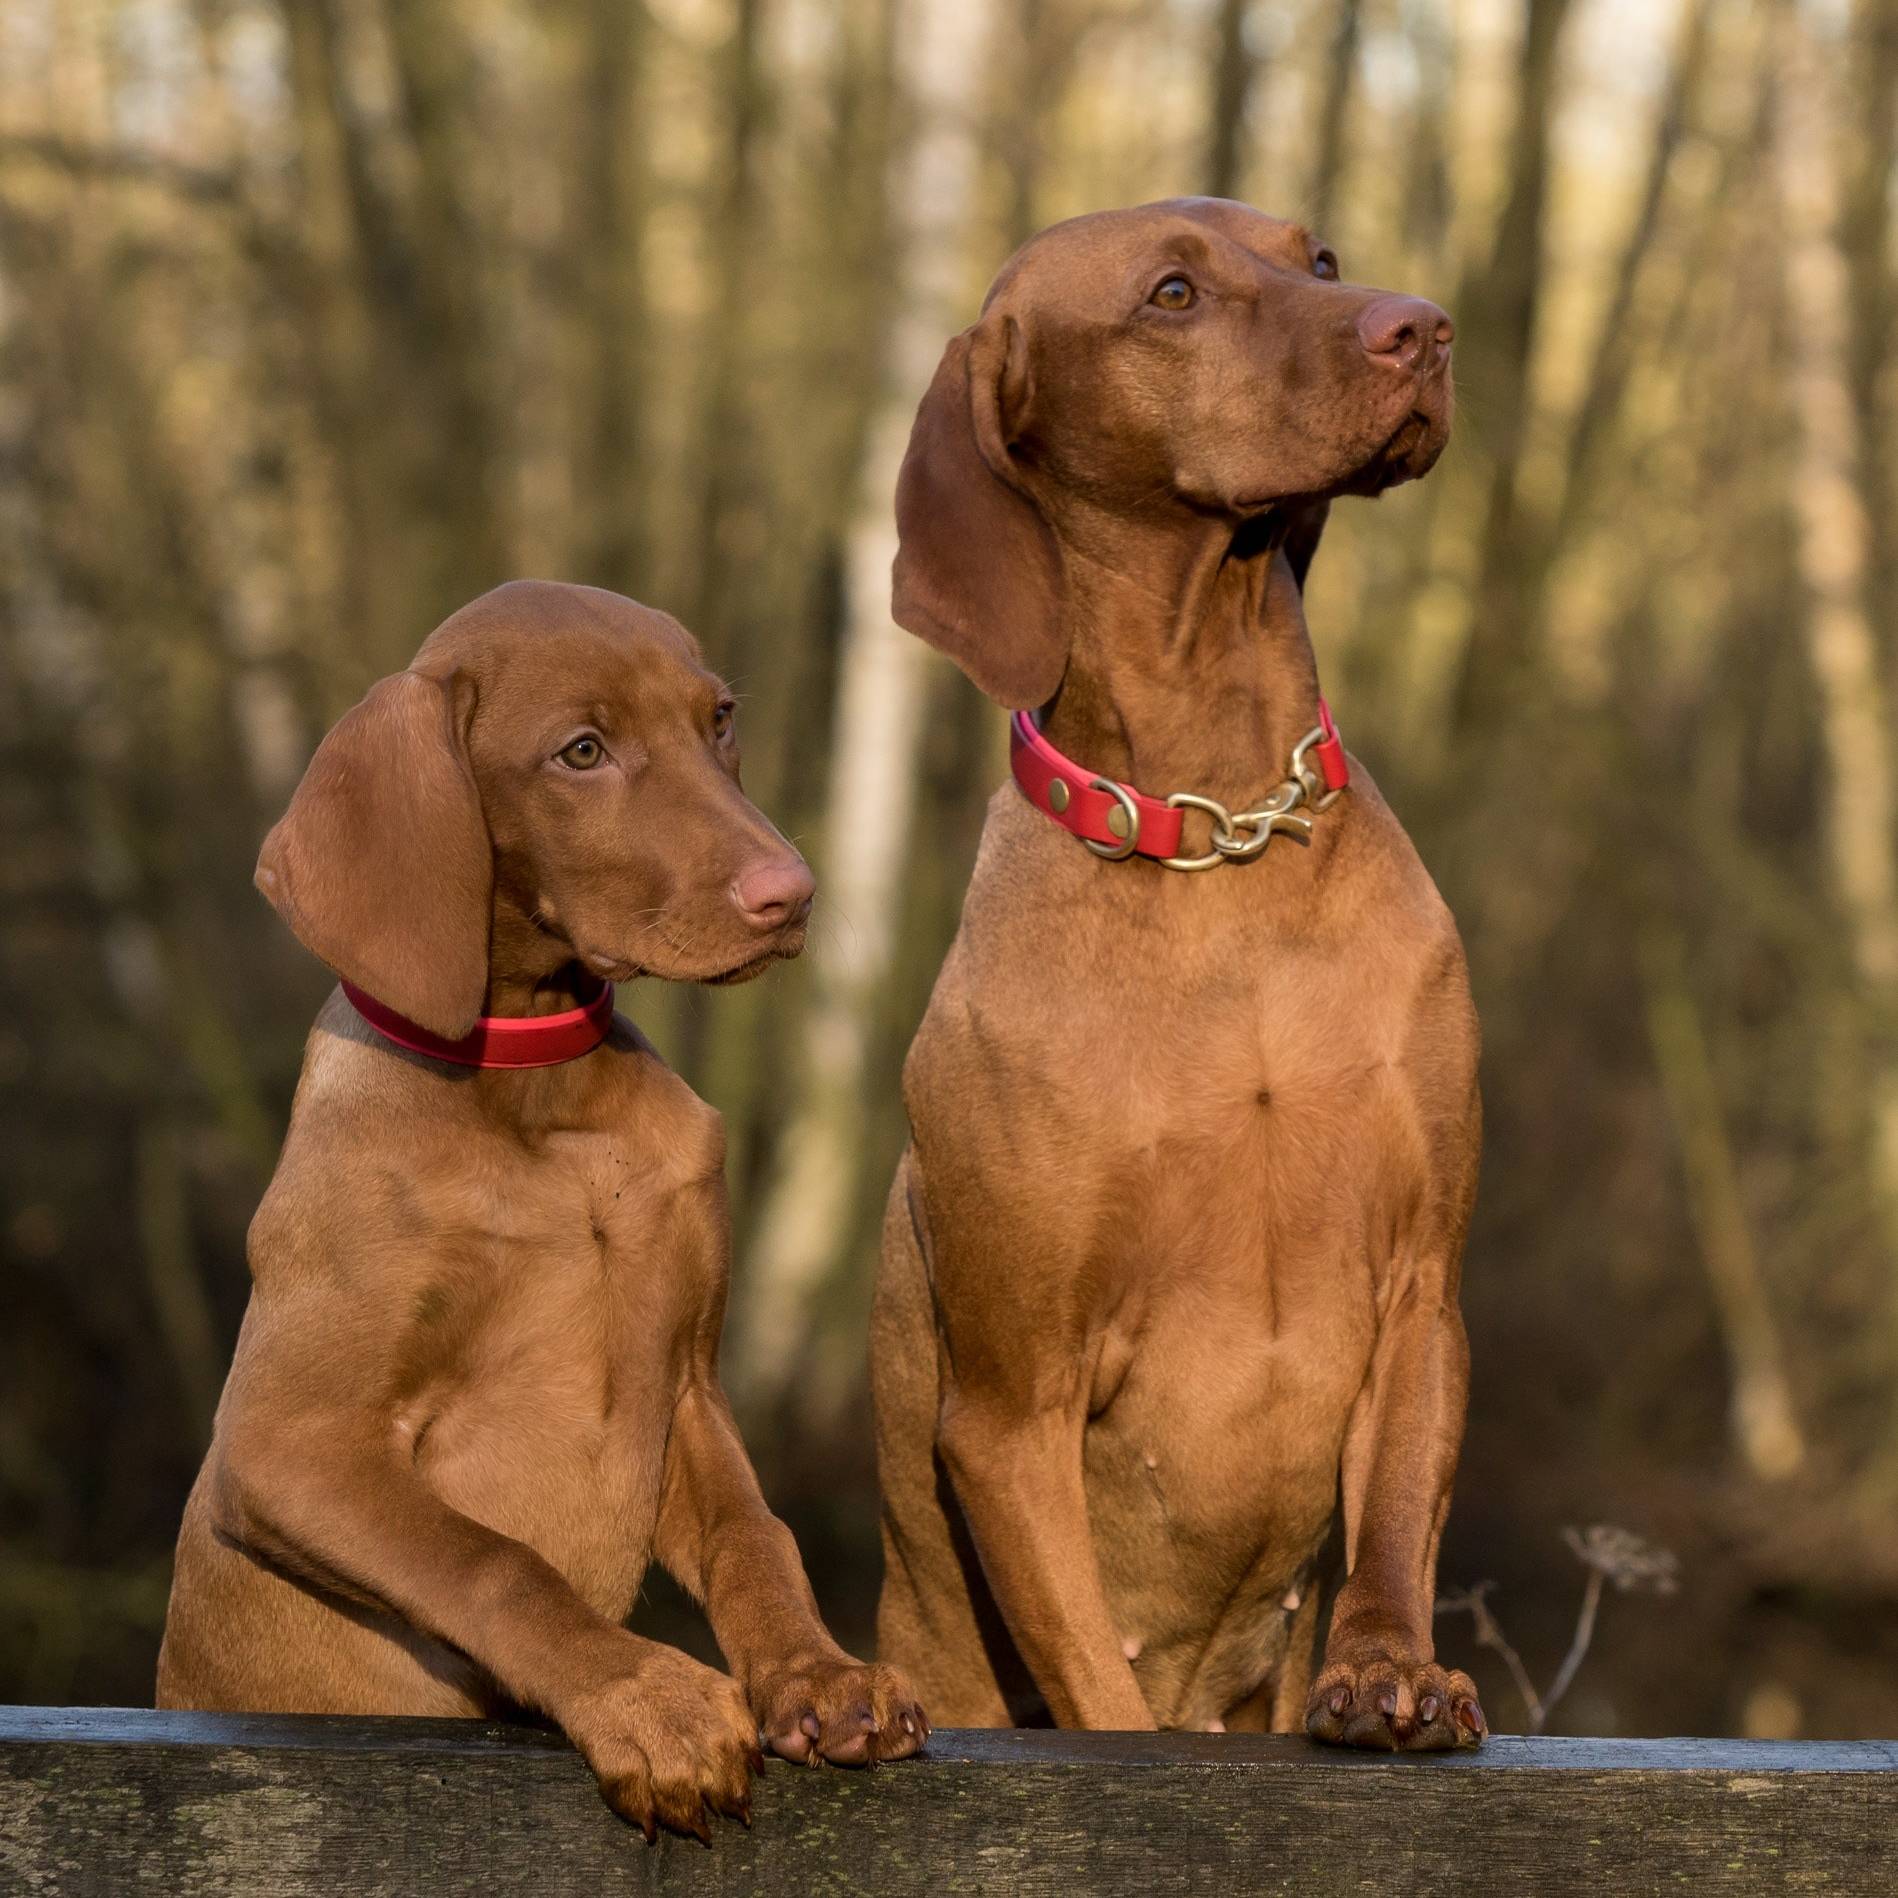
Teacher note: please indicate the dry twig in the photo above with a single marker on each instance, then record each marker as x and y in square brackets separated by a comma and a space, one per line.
[1609, 1554]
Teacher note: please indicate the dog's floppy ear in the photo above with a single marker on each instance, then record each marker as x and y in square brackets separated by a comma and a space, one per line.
[977, 572]
[1303, 528]
[382, 865]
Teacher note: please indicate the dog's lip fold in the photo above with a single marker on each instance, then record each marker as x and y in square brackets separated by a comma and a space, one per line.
[789, 943]
[613, 968]
[1409, 435]
[740, 972]
[1420, 434]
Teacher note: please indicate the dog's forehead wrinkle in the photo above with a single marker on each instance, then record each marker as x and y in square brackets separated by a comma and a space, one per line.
[1068, 273]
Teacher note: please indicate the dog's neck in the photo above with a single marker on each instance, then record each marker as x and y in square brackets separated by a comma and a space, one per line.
[1190, 667]
[530, 972]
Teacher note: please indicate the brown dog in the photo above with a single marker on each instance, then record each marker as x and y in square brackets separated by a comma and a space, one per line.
[1170, 1267]
[476, 1388]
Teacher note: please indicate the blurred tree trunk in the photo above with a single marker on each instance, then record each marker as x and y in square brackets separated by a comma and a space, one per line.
[1833, 550]
[1614, 350]
[728, 522]
[612, 175]
[1764, 1425]
[1398, 681]
[1236, 67]
[843, 324]
[724, 428]
[809, 1206]
[1499, 309]
[440, 87]
[402, 361]
[173, 1276]
[1865, 236]
[341, 246]
[1341, 69]
[1429, 199]
[1032, 47]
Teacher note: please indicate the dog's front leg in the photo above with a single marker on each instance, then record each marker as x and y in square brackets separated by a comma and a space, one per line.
[326, 1492]
[1017, 1474]
[1017, 1353]
[719, 1540]
[1380, 1685]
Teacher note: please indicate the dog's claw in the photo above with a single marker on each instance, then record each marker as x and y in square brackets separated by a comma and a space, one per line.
[841, 1712]
[1389, 1703]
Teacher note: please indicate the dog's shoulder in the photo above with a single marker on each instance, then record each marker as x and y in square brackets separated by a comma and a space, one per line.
[679, 1131]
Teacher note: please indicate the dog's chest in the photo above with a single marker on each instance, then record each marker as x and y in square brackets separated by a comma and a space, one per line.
[1230, 1141]
[560, 1336]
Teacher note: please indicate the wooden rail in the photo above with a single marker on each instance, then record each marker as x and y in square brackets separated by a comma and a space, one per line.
[111, 1801]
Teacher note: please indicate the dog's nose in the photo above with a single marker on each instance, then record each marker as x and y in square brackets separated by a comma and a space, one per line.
[775, 892]
[1406, 332]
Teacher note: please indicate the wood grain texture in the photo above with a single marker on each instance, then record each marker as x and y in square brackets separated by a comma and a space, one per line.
[108, 1800]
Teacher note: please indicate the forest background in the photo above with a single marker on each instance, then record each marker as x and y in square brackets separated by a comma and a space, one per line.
[318, 317]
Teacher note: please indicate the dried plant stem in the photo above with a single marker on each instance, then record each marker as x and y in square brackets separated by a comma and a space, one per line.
[1489, 1634]
[1577, 1648]
[1609, 1554]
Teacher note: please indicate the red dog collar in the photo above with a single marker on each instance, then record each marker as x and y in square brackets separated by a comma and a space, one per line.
[498, 1041]
[1114, 820]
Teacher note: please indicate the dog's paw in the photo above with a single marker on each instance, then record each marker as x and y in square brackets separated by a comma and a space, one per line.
[1395, 1706]
[838, 1710]
[671, 1742]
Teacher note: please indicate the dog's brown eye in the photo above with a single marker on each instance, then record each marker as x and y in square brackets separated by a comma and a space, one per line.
[722, 720]
[1175, 294]
[583, 754]
[1325, 265]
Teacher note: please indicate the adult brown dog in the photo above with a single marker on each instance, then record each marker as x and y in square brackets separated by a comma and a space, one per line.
[476, 1388]
[1170, 1266]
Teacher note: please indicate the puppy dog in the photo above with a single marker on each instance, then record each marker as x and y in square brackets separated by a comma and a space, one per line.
[476, 1389]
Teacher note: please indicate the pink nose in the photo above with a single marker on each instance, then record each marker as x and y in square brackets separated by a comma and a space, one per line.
[774, 892]
[1405, 332]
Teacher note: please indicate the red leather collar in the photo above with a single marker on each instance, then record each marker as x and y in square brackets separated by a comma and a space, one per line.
[498, 1041]
[1121, 821]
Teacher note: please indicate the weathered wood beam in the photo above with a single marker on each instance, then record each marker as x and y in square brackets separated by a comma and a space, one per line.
[105, 1800]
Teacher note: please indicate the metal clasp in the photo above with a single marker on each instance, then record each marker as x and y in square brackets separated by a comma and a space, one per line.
[1311, 781]
[1239, 836]
[1222, 827]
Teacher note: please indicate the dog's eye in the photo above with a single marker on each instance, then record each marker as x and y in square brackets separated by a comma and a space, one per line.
[583, 754]
[1174, 294]
[1325, 265]
[722, 716]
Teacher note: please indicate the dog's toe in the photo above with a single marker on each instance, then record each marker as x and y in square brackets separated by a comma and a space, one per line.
[1387, 1706]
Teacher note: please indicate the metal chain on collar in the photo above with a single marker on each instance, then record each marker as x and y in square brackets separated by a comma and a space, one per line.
[1239, 836]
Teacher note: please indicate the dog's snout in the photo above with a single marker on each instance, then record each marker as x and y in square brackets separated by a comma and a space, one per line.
[1406, 332]
[775, 892]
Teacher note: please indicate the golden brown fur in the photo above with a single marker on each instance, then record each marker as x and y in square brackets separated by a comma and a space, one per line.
[1170, 1267]
[476, 1389]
